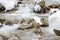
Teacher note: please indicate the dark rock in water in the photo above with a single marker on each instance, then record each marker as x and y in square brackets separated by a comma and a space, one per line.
[19, 2]
[2, 8]
[7, 22]
[57, 32]
[1, 26]
[11, 10]
[44, 23]
[44, 9]
[42, 5]
[2, 20]
[54, 6]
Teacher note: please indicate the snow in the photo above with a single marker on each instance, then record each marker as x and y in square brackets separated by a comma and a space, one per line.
[27, 12]
[9, 4]
[6, 29]
[51, 2]
[38, 1]
[37, 8]
[54, 21]
[24, 10]
[52, 10]
[37, 19]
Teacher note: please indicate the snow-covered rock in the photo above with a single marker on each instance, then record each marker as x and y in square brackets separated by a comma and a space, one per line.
[54, 21]
[37, 19]
[37, 8]
[53, 10]
[9, 4]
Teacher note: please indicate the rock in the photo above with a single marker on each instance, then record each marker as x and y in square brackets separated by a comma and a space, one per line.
[1, 25]
[37, 19]
[22, 21]
[4, 37]
[44, 22]
[8, 22]
[24, 26]
[1, 38]
[37, 8]
[14, 38]
[20, 2]
[2, 20]
[2, 8]
[58, 38]
[57, 32]
[37, 27]
[42, 3]
[12, 10]
[40, 7]
[54, 6]
[54, 21]
[44, 8]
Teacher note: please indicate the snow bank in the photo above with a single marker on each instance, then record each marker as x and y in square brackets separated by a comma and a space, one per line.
[9, 4]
